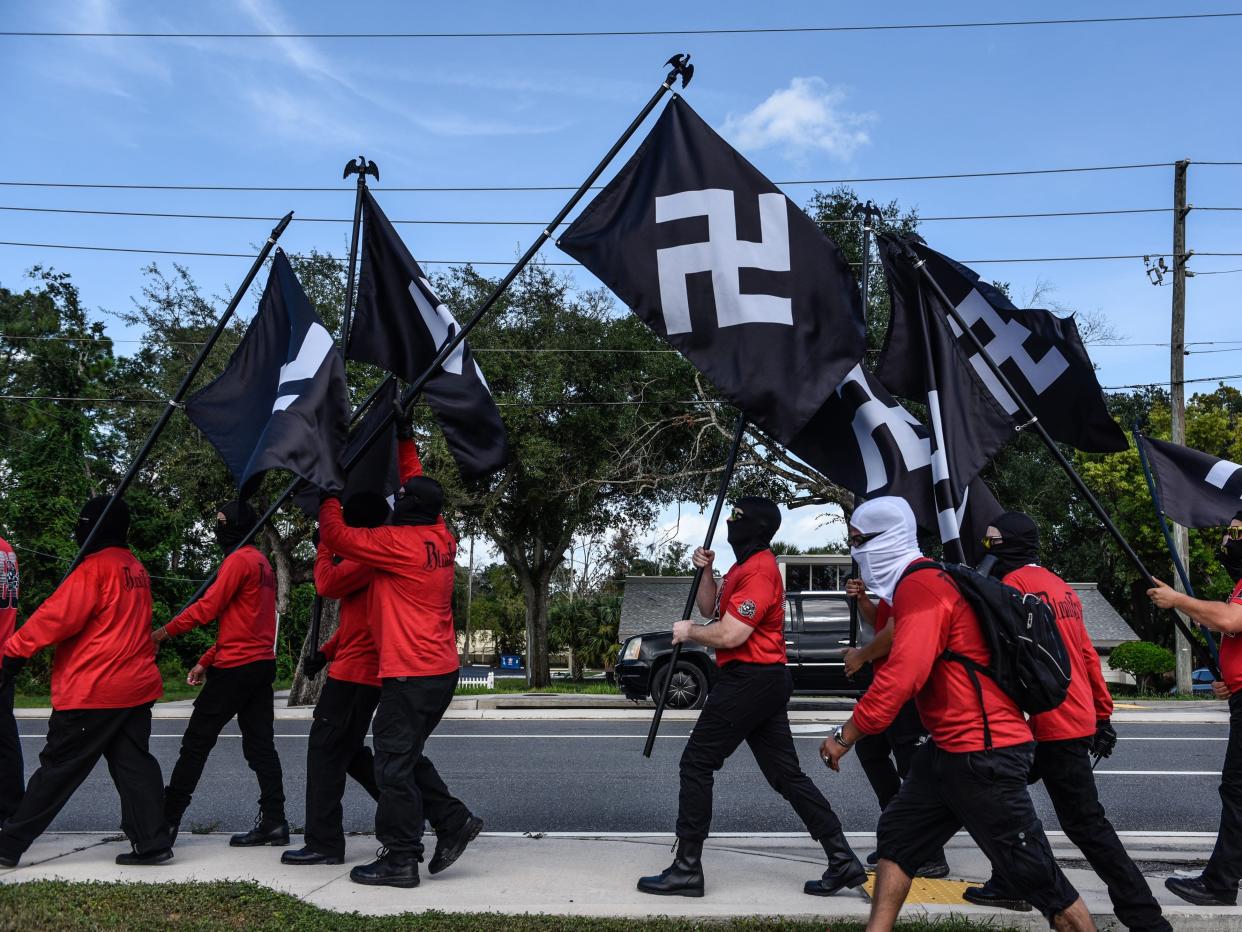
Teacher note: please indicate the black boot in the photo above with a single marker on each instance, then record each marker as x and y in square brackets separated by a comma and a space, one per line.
[844, 868]
[1194, 890]
[991, 895]
[389, 869]
[684, 877]
[274, 832]
[449, 847]
[133, 859]
[309, 856]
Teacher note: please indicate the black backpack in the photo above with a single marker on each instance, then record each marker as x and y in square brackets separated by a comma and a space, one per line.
[1029, 660]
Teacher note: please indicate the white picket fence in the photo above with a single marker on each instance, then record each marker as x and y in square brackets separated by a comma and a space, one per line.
[473, 680]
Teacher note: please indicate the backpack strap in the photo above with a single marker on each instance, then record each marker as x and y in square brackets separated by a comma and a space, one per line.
[973, 669]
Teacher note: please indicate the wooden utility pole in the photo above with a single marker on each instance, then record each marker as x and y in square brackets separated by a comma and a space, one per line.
[1177, 392]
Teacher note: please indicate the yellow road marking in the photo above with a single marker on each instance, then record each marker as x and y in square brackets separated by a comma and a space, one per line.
[926, 891]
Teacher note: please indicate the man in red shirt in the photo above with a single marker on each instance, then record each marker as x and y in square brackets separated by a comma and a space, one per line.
[972, 772]
[1067, 735]
[1218, 884]
[748, 703]
[12, 767]
[410, 601]
[239, 670]
[104, 680]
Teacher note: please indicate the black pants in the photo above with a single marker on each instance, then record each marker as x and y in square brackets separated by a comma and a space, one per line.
[76, 739]
[337, 748]
[12, 766]
[1224, 868]
[885, 758]
[748, 704]
[410, 789]
[244, 692]
[1065, 768]
[985, 793]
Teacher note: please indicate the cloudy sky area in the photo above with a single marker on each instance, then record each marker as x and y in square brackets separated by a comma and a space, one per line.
[496, 112]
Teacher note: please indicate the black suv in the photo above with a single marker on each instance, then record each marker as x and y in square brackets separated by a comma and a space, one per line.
[817, 632]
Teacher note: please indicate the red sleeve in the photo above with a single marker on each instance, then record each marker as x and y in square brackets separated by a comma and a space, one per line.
[329, 646]
[370, 546]
[408, 463]
[920, 633]
[219, 593]
[336, 580]
[1100, 695]
[751, 599]
[62, 615]
[208, 659]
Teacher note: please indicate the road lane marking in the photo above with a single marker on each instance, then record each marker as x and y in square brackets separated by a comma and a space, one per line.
[1160, 773]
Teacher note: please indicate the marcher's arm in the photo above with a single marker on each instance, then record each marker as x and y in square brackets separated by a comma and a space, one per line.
[1225, 617]
[409, 464]
[728, 632]
[208, 608]
[62, 615]
[368, 546]
[209, 658]
[857, 591]
[335, 580]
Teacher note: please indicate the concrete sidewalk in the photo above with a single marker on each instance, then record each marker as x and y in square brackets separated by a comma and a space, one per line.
[567, 707]
[592, 875]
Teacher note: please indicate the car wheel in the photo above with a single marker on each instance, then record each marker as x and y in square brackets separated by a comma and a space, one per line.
[688, 689]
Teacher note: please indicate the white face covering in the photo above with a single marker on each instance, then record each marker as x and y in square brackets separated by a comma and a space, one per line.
[882, 559]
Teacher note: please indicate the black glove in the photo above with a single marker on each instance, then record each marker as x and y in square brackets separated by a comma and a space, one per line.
[313, 663]
[1105, 738]
[405, 423]
[9, 668]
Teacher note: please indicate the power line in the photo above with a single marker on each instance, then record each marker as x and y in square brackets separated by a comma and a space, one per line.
[1207, 378]
[509, 262]
[634, 402]
[543, 223]
[624, 33]
[1006, 173]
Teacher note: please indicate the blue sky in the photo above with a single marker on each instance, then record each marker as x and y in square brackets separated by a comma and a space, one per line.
[541, 111]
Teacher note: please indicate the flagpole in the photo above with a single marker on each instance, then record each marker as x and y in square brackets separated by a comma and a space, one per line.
[725, 477]
[1033, 422]
[1158, 502]
[176, 401]
[680, 67]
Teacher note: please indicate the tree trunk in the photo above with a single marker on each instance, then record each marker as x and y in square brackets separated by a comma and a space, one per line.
[536, 593]
[304, 690]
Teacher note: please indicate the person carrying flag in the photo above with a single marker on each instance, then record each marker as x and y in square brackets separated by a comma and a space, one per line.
[236, 673]
[1068, 735]
[104, 680]
[972, 773]
[410, 600]
[1218, 884]
[747, 704]
[12, 769]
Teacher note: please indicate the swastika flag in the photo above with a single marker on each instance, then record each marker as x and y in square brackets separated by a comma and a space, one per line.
[1196, 490]
[715, 259]
[281, 402]
[1041, 354]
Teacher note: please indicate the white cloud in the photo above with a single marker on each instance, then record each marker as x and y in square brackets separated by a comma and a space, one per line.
[807, 116]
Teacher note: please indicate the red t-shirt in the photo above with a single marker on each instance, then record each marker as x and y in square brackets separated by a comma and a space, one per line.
[411, 595]
[752, 593]
[8, 591]
[1231, 650]
[100, 621]
[1088, 699]
[243, 597]
[352, 650]
[930, 615]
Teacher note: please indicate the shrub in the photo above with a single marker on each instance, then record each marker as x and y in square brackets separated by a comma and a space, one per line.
[1142, 660]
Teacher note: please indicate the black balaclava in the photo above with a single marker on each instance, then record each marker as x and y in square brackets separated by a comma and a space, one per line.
[421, 504]
[1019, 543]
[114, 532]
[239, 518]
[366, 509]
[1231, 554]
[754, 529]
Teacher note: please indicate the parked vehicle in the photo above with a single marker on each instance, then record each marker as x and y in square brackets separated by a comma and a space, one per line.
[1200, 682]
[818, 631]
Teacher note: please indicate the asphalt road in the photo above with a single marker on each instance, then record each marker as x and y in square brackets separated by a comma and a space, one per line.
[542, 776]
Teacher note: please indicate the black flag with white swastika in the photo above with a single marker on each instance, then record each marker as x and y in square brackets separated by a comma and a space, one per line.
[864, 440]
[715, 259]
[1041, 354]
[400, 325]
[281, 402]
[923, 361]
[1196, 490]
